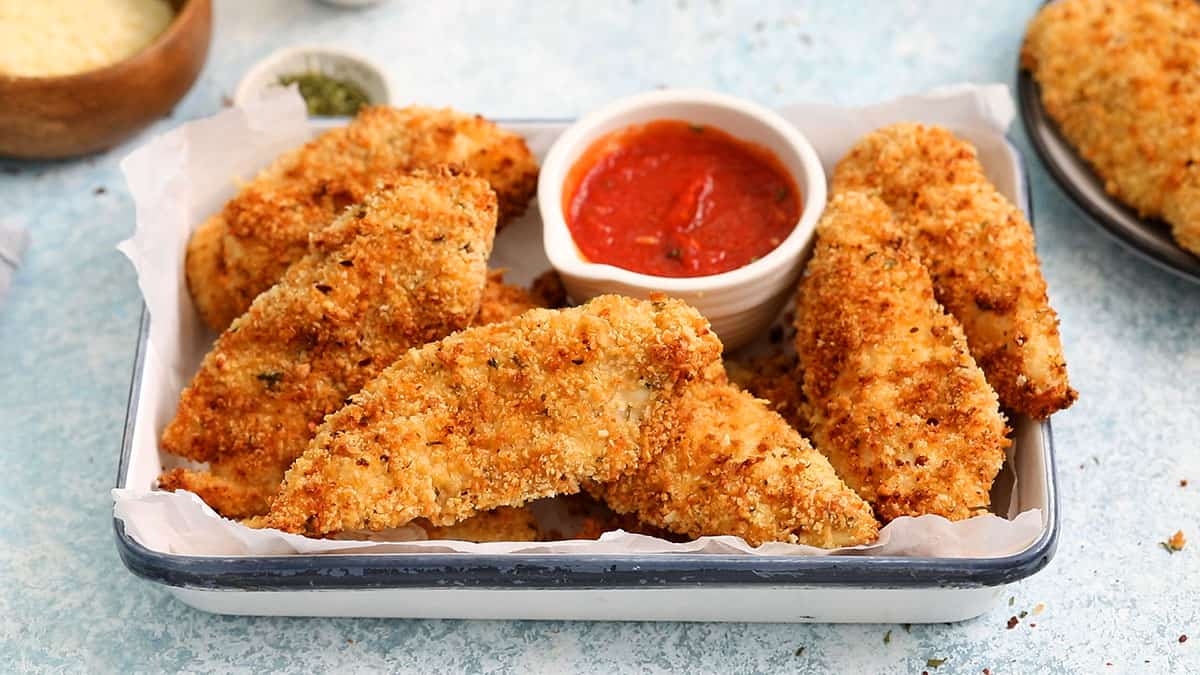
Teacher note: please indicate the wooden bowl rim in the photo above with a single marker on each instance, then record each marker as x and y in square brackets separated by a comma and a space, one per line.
[186, 15]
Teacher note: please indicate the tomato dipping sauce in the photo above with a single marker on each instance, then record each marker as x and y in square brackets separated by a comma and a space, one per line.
[674, 199]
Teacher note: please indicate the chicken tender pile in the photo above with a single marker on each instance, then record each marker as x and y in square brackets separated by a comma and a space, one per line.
[243, 250]
[502, 524]
[1121, 80]
[375, 374]
[503, 301]
[896, 402]
[775, 378]
[497, 415]
[405, 267]
[728, 465]
[979, 250]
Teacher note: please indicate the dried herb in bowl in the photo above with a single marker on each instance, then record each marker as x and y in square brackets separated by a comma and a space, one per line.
[328, 96]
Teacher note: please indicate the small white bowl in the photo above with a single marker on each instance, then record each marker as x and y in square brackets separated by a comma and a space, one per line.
[332, 61]
[740, 304]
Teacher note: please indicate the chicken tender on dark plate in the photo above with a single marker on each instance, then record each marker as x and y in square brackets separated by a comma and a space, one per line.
[1122, 82]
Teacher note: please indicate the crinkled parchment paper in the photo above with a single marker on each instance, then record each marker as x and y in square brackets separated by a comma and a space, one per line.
[181, 177]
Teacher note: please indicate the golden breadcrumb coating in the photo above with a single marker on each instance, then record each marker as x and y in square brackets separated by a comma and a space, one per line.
[980, 252]
[1121, 80]
[203, 270]
[506, 523]
[774, 378]
[896, 402]
[405, 267]
[502, 301]
[728, 465]
[242, 251]
[496, 415]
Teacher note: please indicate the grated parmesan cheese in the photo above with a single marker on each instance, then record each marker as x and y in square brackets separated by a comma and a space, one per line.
[46, 38]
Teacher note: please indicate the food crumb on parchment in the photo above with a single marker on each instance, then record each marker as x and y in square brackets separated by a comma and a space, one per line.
[1012, 622]
[1039, 608]
[1182, 638]
[1182, 482]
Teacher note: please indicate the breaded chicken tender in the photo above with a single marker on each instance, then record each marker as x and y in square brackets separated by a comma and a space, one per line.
[1122, 82]
[502, 524]
[896, 402]
[774, 378]
[980, 252]
[496, 415]
[243, 250]
[502, 301]
[405, 267]
[728, 465]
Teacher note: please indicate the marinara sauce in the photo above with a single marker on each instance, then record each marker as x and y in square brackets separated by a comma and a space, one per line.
[675, 199]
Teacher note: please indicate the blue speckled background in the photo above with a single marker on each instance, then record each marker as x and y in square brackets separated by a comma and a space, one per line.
[1132, 336]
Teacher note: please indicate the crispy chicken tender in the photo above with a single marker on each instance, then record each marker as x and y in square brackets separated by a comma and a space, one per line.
[405, 267]
[980, 252]
[502, 301]
[774, 378]
[728, 465]
[896, 402]
[502, 524]
[496, 415]
[1121, 81]
[243, 250]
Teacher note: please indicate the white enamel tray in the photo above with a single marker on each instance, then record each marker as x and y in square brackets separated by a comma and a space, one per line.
[612, 587]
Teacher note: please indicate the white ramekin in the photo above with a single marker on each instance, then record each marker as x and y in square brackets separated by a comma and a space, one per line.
[740, 304]
[332, 61]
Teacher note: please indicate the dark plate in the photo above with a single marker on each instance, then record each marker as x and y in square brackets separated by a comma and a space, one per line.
[1149, 238]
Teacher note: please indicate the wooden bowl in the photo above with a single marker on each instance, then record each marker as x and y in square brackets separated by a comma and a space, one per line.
[50, 117]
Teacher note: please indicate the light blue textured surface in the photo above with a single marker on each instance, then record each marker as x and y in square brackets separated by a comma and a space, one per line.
[1132, 337]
